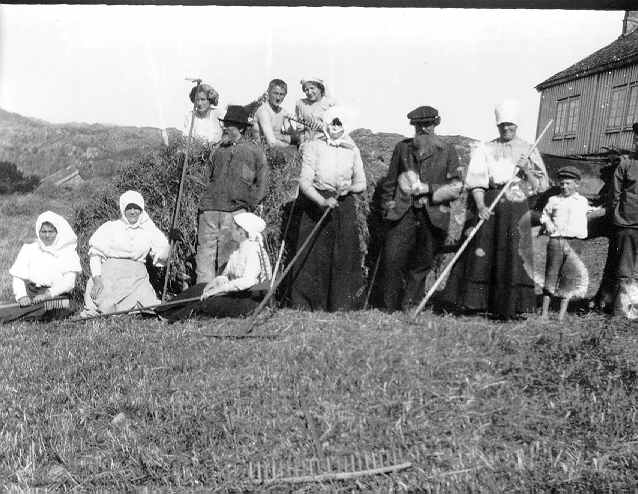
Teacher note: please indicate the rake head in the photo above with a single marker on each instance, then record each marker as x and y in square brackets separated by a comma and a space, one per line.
[359, 464]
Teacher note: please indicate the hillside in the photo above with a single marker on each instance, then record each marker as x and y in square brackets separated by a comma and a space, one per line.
[97, 150]
[39, 147]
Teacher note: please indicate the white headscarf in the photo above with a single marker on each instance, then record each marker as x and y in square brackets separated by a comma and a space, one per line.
[254, 227]
[34, 261]
[507, 111]
[343, 114]
[107, 241]
[133, 197]
[65, 239]
[315, 80]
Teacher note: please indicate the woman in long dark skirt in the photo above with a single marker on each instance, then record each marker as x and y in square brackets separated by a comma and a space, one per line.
[494, 274]
[328, 274]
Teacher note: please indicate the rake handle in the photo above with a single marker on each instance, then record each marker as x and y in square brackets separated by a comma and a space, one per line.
[474, 231]
[274, 286]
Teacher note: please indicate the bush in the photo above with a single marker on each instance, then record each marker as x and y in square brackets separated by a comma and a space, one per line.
[13, 180]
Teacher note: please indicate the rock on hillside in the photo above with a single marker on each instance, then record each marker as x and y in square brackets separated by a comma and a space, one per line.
[376, 149]
[39, 147]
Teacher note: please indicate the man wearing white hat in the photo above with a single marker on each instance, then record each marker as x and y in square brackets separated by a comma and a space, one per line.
[494, 273]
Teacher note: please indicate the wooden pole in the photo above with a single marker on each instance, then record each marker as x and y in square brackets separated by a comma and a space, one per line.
[474, 231]
[271, 292]
[179, 193]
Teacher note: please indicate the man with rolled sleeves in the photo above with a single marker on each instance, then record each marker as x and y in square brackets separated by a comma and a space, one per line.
[424, 176]
[238, 183]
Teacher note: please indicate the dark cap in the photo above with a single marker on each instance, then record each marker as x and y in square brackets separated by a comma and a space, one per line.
[236, 114]
[569, 172]
[634, 127]
[424, 114]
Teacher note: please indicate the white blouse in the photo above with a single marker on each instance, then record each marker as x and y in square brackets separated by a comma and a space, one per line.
[247, 266]
[206, 128]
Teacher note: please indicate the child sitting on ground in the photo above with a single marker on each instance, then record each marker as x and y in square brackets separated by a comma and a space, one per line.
[565, 221]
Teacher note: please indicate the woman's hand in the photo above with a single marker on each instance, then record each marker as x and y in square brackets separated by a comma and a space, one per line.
[484, 212]
[218, 286]
[330, 202]
[98, 286]
[24, 301]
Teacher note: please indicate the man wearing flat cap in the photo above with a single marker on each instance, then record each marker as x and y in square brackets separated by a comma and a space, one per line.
[238, 184]
[424, 176]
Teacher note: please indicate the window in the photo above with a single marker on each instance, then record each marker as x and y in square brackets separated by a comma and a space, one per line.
[616, 106]
[567, 113]
[632, 110]
[623, 107]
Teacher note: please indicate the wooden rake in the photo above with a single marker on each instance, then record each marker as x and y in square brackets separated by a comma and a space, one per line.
[343, 467]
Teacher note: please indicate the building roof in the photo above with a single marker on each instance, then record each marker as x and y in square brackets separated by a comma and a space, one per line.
[623, 51]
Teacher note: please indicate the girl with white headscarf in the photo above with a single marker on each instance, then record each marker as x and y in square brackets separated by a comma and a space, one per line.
[44, 269]
[242, 284]
[117, 256]
[310, 109]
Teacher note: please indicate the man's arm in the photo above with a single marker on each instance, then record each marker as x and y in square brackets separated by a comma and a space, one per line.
[451, 188]
[389, 184]
[617, 183]
[262, 175]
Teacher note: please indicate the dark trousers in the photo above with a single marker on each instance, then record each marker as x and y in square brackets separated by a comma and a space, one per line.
[626, 244]
[411, 246]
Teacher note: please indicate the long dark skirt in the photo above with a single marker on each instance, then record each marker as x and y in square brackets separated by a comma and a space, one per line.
[235, 304]
[328, 274]
[42, 311]
[490, 275]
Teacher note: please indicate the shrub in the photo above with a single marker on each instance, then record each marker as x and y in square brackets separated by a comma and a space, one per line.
[13, 180]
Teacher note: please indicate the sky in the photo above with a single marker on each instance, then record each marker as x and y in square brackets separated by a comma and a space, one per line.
[127, 65]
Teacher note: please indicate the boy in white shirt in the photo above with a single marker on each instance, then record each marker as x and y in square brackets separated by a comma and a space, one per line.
[565, 221]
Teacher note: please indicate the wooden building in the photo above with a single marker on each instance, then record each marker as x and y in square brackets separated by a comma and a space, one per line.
[595, 101]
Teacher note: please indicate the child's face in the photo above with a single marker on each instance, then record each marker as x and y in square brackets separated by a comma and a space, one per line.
[568, 186]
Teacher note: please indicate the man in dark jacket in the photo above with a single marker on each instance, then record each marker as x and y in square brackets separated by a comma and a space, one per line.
[238, 183]
[424, 176]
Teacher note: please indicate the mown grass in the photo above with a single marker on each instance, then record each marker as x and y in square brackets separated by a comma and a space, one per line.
[128, 403]
[125, 403]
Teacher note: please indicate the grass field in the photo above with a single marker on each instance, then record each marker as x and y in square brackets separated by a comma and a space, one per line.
[476, 406]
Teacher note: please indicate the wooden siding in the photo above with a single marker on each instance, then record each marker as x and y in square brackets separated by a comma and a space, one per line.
[591, 135]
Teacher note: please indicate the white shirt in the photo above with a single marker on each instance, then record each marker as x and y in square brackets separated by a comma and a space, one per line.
[568, 215]
[207, 128]
[122, 240]
[247, 266]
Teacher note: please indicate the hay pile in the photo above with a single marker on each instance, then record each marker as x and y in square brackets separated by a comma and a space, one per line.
[156, 176]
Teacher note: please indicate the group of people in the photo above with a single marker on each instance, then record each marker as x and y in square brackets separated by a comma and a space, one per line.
[493, 275]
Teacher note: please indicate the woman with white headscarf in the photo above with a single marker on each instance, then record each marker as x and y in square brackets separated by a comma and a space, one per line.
[242, 284]
[328, 275]
[44, 269]
[310, 110]
[495, 273]
[117, 256]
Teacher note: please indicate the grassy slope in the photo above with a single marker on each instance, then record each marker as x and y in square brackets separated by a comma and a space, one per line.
[494, 407]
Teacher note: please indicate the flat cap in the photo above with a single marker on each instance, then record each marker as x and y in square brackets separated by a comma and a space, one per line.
[569, 172]
[423, 113]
